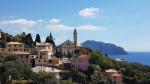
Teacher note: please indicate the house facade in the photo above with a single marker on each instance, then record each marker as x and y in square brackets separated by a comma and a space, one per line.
[18, 49]
[41, 46]
[81, 62]
[114, 76]
[45, 55]
[14, 47]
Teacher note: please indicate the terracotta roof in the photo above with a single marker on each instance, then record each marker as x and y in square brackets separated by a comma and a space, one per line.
[84, 56]
[116, 75]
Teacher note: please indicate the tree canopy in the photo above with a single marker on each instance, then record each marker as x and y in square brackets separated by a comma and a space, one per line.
[50, 39]
[38, 38]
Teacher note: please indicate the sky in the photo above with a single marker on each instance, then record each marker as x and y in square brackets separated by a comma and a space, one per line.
[125, 23]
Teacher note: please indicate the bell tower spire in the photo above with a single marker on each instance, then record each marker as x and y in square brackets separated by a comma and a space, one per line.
[75, 37]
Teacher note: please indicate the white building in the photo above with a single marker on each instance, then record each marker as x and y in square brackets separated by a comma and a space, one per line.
[45, 55]
[46, 46]
[54, 71]
[66, 48]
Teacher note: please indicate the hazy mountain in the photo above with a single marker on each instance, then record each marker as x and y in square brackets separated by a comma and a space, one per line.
[105, 48]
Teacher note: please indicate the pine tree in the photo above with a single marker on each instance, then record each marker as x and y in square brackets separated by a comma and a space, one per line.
[37, 39]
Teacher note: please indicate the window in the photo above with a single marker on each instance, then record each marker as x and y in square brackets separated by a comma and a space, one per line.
[40, 57]
[9, 45]
[39, 60]
[40, 53]
[20, 49]
[15, 45]
[44, 60]
[27, 57]
[24, 49]
[44, 53]
[57, 62]
[21, 56]
[2, 49]
[68, 43]
[79, 60]
[9, 50]
[20, 45]
[50, 61]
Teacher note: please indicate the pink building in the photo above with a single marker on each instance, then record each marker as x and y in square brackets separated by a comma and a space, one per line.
[82, 62]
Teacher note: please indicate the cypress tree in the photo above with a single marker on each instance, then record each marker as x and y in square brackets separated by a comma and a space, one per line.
[50, 39]
[37, 39]
[29, 40]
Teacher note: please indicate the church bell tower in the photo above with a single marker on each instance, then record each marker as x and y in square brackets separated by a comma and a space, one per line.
[75, 37]
[0, 33]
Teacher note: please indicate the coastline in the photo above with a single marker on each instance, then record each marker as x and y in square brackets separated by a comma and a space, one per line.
[138, 57]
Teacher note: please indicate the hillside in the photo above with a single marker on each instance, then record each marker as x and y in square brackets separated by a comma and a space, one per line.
[105, 48]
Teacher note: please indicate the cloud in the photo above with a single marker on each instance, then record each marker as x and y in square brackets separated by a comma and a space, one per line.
[20, 24]
[55, 20]
[59, 27]
[62, 27]
[89, 12]
[24, 23]
[90, 28]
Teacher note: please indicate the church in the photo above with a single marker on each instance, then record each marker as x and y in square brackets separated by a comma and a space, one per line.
[68, 47]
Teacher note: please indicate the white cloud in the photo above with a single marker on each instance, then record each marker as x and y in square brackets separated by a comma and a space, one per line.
[89, 12]
[19, 22]
[62, 27]
[59, 27]
[90, 28]
[40, 21]
[55, 20]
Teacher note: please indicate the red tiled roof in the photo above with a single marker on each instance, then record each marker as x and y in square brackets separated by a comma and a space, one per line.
[116, 75]
[84, 56]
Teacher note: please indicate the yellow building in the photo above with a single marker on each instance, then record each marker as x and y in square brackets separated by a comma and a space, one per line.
[14, 47]
[47, 62]
[18, 49]
[24, 56]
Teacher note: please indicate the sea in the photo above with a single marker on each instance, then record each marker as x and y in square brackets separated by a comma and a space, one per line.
[139, 57]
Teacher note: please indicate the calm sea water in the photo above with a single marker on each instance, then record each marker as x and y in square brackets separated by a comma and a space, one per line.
[140, 57]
